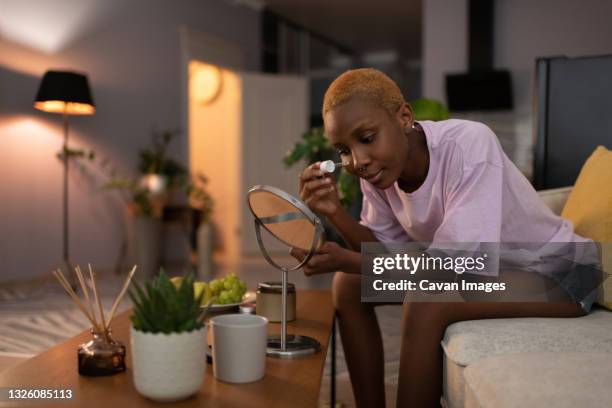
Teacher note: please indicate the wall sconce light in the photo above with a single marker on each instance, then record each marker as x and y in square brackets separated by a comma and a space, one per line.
[206, 83]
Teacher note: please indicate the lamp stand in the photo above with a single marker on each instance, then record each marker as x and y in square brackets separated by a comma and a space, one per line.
[66, 93]
[66, 264]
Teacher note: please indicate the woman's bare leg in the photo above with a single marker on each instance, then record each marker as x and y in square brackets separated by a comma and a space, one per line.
[423, 327]
[361, 340]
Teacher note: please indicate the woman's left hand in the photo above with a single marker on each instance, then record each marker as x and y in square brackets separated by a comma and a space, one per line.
[329, 257]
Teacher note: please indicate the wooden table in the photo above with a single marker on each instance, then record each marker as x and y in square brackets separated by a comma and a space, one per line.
[287, 383]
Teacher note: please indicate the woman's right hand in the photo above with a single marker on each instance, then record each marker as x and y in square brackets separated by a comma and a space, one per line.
[318, 190]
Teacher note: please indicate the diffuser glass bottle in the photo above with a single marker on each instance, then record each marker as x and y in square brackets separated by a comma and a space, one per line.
[102, 355]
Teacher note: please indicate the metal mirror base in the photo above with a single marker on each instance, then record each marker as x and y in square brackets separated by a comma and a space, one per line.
[296, 346]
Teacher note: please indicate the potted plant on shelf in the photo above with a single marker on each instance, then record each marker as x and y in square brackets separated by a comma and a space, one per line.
[162, 181]
[168, 338]
[161, 173]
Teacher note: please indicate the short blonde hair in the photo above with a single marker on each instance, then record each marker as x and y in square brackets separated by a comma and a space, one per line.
[368, 84]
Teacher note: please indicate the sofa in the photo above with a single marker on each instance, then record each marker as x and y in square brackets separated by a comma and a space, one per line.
[530, 362]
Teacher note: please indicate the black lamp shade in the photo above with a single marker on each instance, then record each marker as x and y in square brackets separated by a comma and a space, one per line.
[65, 92]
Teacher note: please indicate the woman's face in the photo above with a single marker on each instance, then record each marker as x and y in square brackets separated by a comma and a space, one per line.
[372, 144]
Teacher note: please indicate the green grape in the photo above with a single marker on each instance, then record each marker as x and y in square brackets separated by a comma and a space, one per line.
[214, 287]
[235, 295]
[229, 289]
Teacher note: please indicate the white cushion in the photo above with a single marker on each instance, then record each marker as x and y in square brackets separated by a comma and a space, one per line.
[467, 342]
[540, 380]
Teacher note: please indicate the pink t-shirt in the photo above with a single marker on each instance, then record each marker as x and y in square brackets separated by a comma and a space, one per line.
[472, 193]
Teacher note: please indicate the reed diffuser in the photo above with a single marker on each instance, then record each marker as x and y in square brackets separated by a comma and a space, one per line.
[102, 355]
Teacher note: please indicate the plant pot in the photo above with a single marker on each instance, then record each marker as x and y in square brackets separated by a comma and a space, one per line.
[145, 243]
[168, 367]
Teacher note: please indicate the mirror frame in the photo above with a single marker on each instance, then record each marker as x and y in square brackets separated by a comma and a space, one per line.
[309, 215]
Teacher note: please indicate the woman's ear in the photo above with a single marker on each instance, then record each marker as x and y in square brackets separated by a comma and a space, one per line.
[405, 117]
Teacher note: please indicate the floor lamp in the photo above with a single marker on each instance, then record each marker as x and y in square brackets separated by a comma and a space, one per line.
[66, 93]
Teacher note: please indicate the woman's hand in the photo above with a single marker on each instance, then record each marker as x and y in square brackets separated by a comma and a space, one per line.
[330, 257]
[318, 190]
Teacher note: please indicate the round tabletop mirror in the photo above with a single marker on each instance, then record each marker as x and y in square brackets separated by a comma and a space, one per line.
[287, 219]
[291, 222]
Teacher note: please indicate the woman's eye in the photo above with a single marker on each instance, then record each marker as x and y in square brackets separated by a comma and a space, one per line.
[368, 138]
[342, 152]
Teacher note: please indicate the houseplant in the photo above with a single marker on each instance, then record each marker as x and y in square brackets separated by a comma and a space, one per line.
[162, 181]
[429, 109]
[168, 338]
[158, 174]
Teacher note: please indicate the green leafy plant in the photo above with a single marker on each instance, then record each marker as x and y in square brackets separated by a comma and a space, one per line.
[155, 160]
[315, 147]
[140, 197]
[161, 307]
[429, 109]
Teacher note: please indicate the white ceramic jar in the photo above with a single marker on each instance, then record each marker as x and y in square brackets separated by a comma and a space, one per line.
[239, 347]
[168, 367]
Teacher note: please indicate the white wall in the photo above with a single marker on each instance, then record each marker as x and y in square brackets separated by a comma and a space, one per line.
[444, 44]
[524, 30]
[131, 53]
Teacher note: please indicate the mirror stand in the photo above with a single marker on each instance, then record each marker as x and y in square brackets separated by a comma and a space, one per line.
[292, 346]
[291, 222]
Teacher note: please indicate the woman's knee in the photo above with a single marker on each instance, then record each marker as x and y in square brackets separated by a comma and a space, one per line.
[425, 316]
[346, 291]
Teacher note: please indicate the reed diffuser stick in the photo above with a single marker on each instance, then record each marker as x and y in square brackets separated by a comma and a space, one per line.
[120, 296]
[98, 301]
[85, 292]
[62, 280]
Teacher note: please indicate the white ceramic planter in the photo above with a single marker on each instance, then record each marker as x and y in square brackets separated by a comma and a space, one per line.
[168, 367]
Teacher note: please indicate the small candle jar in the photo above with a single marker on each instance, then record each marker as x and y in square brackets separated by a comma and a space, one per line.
[269, 301]
[102, 355]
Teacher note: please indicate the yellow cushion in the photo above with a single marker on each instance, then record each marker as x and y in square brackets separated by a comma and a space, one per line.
[589, 207]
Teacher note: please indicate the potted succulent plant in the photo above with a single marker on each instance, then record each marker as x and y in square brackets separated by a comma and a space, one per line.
[168, 338]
